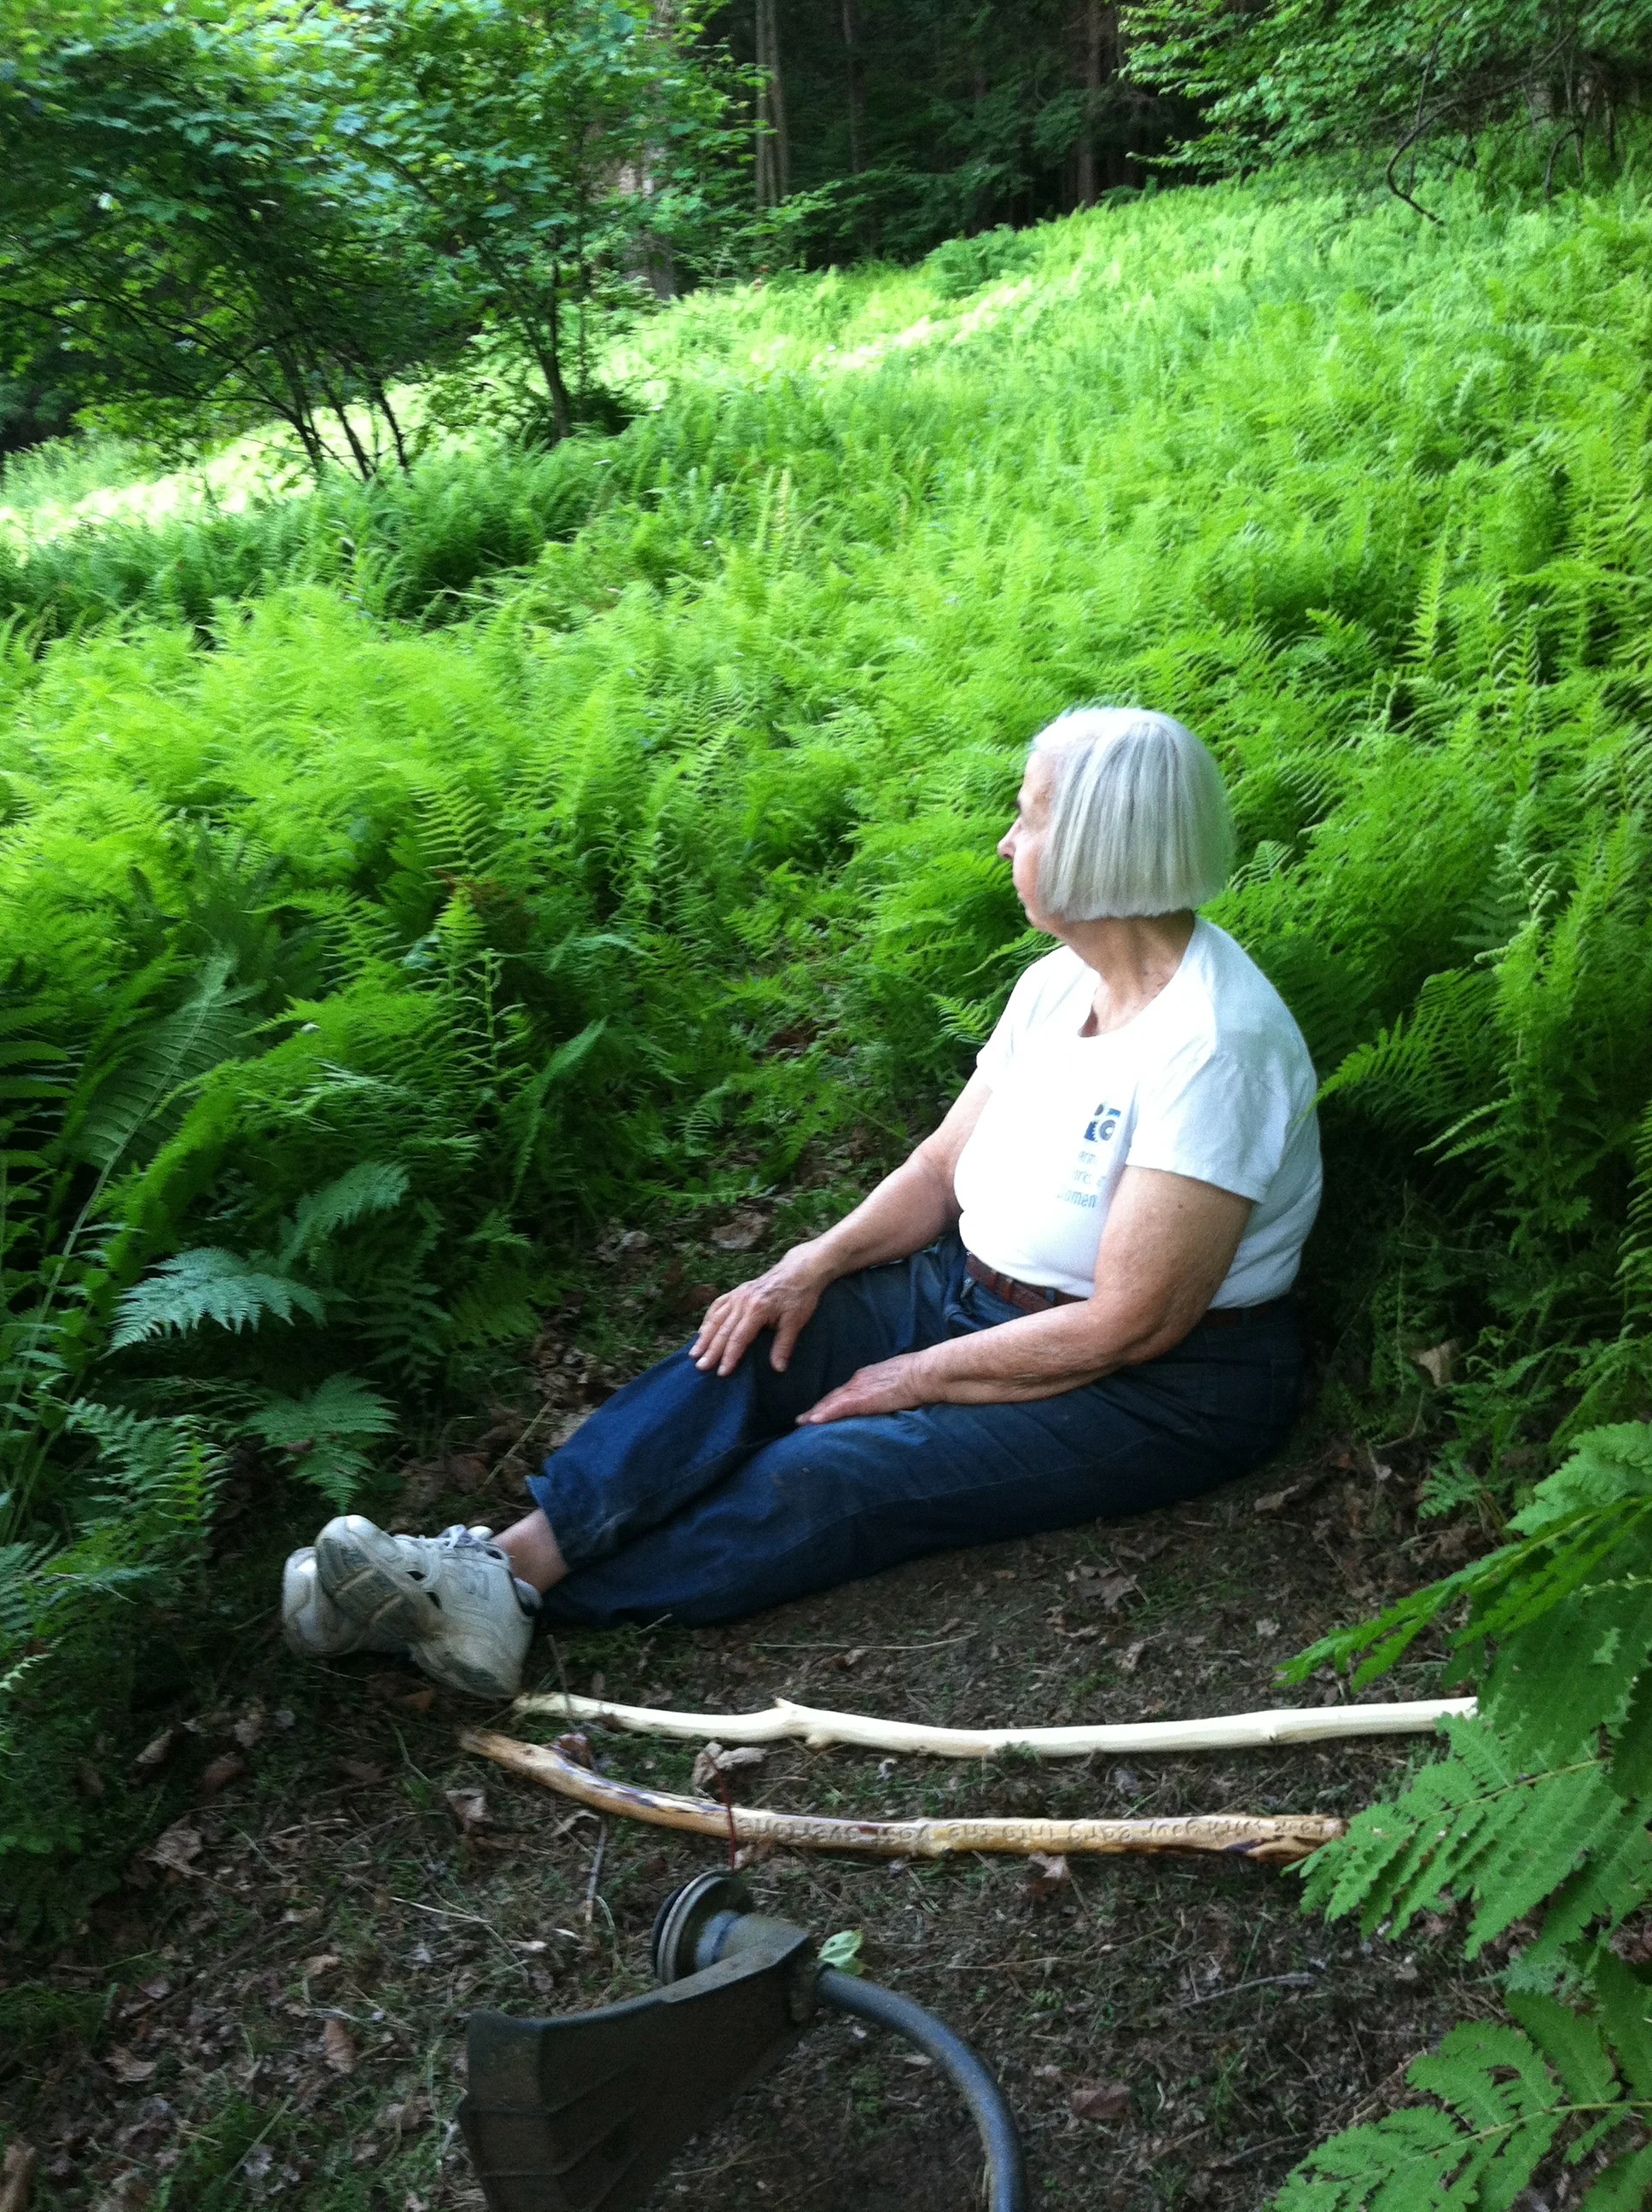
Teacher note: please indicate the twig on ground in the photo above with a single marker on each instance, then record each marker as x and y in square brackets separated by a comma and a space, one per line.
[1238, 1989]
[590, 1885]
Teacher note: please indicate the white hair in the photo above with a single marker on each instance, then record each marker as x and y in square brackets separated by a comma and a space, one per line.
[1138, 818]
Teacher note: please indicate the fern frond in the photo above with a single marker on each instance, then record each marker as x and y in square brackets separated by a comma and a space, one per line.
[149, 1069]
[207, 1285]
[341, 1406]
[370, 1186]
[1501, 2099]
[323, 1430]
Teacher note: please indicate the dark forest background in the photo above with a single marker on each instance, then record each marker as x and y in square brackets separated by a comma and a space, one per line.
[905, 122]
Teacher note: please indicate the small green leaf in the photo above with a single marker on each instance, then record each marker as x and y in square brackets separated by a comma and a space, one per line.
[842, 1951]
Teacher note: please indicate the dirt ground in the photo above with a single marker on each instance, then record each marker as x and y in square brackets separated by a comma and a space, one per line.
[273, 2007]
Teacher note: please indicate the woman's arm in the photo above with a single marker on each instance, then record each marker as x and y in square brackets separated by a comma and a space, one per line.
[1168, 1243]
[909, 1209]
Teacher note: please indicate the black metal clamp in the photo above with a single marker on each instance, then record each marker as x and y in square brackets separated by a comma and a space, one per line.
[584, 2113]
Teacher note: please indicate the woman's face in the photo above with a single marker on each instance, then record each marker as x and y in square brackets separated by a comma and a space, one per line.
[1022, 842]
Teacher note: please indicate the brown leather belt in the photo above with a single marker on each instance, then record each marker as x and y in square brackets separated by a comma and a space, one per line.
[1034, 1297]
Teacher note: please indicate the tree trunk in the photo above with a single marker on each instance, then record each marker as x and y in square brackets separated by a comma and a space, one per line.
[857, 86]
[773, 149]
[381, 401]
[550, 366]
[658, 262]
[1097, 24]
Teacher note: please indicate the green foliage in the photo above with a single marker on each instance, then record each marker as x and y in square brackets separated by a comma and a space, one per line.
[229, 217]
[1537, 1812]
[676, 850]
[1503, 2097]
[415, 546]
[175, 215]
[1294, 76]
[909, 121]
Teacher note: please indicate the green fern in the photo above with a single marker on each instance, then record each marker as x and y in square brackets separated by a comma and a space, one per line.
[1538, 1810]
[370, 1186]
[1499, 2100]
[323, 1431]
[209, 1284]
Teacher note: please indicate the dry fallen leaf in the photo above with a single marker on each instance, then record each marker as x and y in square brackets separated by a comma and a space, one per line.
[157, 1749]
[1438, 1362]
[1100, 2100]
[405, 2119]
[1130, 1657]
[323, 1962]
[222, 1772]
[465, 1472]
[125, 2066]
[1047, 1873]
[417, 1701]
[1111, 1591]
[157, 1989]
[17, 2174]
[714, 1760]
[359, 1769]
[740, 1232]
[175, 1848]
[469, 1807]
[1266, 1629]
[339, 2047]
[250, 1726]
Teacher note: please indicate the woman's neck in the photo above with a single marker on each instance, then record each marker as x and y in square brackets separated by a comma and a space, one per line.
[1133, 958]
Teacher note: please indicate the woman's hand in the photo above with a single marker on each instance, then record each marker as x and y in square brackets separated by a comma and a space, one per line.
[893, 1386]
[782, 1300]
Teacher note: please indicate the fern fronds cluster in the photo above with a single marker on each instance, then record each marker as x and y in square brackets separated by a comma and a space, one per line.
[1538, 1811]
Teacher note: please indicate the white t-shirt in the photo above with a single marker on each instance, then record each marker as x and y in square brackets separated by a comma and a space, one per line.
[1212, 1079]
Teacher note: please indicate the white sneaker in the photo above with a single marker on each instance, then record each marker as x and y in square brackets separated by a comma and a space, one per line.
[451, 1599]
[313, 1626]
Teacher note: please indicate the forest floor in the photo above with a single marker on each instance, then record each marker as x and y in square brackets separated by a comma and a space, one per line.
[272, 2008]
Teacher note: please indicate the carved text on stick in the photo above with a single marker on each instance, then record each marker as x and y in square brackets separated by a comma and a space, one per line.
[1273, 1839]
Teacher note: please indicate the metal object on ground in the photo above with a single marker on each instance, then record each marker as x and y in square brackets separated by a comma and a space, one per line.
[584, 2113]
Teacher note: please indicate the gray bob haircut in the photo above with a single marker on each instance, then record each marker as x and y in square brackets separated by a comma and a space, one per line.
[1139, 821]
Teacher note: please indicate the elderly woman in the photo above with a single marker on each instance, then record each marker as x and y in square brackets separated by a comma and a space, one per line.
[1069, 1303]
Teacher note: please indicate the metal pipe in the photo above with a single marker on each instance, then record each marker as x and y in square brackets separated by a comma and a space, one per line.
[1006, 2169]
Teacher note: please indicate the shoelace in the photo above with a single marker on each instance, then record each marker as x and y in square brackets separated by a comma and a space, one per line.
[459, 1538]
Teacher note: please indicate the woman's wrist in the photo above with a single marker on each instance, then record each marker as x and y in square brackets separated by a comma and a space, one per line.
[812, 1261]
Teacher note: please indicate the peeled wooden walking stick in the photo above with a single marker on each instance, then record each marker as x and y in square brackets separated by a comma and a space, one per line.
[1274, 1840]
[818, 1728]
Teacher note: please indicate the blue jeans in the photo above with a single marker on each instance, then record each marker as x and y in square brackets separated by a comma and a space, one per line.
[694, 1498]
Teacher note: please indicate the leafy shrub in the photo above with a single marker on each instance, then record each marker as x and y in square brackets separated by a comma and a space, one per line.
[411, 547]
[963, 265]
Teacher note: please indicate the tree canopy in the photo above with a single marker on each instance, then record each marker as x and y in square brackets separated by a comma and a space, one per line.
[224, 218]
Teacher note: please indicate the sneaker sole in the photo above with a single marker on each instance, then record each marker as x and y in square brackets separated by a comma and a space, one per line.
[456, 1674]
[374, 1596]
[299, 1633]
